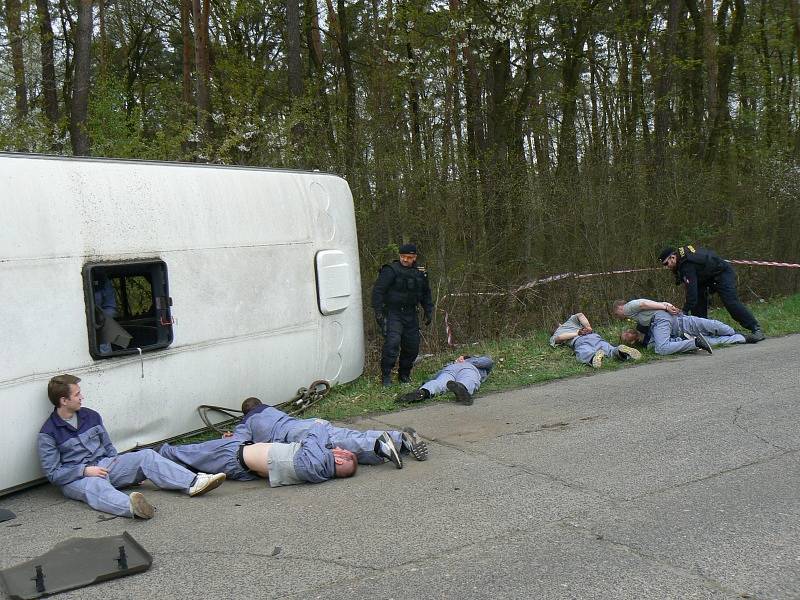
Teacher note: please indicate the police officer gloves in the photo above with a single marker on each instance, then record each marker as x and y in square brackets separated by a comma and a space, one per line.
[428, 319]
[380, 319]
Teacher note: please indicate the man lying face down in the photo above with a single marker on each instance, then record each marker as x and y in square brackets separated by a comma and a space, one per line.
[313, 459]
[264, 423]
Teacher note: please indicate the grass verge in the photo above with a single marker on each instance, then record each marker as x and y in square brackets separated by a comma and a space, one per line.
[519, 362]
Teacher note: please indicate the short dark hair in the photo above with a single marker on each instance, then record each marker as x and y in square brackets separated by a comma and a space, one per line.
[350, 465]
[58, 387]
[250, 403]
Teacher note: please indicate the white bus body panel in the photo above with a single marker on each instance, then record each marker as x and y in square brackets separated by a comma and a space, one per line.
[240, 247]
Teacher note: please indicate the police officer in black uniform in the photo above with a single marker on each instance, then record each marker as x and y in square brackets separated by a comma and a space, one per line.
[703, 272]
[400, 286]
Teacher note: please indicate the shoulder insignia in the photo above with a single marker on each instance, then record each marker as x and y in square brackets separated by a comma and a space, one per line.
[691, 248]
[682, 251]
[423, 270]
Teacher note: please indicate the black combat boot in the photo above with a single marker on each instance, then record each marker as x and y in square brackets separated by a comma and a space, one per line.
[415, 396]
[462, 395]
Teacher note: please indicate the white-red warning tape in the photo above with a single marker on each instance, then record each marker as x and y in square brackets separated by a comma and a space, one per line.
[561, 276]
[764, 263]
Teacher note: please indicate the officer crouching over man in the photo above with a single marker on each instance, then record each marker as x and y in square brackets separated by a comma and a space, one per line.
[703, 272]
[400, 286]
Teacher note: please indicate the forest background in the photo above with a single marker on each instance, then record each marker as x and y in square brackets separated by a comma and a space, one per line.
[511, 140]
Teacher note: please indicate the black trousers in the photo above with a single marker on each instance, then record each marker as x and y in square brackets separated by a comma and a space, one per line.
[402, 338]
[725, 285]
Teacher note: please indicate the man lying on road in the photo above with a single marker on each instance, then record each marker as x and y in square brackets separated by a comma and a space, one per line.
[263, 423]
[313, 459]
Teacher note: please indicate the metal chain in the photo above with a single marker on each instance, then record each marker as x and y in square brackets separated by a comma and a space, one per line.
[302, 400]
[305, 398]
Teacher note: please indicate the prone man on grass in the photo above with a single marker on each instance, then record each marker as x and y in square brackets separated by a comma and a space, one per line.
[675, 333]
[463, 377]
[589, 347]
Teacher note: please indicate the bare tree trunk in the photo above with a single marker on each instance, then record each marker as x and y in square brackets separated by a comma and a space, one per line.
[318, 69]
[663, 78]
[79, 134]
[639, 112]
[573, 31]
[794, 6]
[295, 69]
[476, 143]
[350, 91]
[48, 65]
[200, 14]
[186, 39]
[727, 56]
[712, 68]
[17, 57]
[101, 16]
[413, 104]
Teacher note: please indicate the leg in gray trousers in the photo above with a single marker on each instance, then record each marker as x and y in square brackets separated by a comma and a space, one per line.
[214, 456]
[587, 345]
[716, 332]
[101, 493]
[664, 343]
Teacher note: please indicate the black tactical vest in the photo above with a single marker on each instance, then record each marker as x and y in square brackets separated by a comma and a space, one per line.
[407, 288]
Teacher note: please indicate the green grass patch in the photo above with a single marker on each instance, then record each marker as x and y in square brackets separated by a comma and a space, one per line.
[519, 362]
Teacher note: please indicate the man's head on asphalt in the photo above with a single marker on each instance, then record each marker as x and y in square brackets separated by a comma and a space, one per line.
[345, 463]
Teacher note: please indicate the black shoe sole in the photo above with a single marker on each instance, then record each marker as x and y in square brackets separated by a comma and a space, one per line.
[462, 395]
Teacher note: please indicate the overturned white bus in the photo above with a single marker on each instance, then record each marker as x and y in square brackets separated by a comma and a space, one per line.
[164, 286]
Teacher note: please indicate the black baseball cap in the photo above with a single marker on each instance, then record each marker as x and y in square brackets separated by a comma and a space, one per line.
[665, 253]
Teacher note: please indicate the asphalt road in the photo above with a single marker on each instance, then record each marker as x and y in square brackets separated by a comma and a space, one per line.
[677, 479]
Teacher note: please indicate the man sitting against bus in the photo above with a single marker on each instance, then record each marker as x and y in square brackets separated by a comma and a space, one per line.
[77, 455]
[308, 460]
[263, 423]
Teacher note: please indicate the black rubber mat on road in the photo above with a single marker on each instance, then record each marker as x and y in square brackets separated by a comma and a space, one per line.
[75, 563]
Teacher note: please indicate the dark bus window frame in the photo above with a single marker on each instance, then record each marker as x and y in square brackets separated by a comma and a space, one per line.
[142, 307]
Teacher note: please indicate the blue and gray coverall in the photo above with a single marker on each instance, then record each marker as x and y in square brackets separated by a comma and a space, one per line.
[64, 453]
[267, 424]
[313, 458]
[585, 346]
[666, 332]
[395, 295]
[471, 373]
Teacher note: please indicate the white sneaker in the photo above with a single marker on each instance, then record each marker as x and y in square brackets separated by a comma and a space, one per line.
[140, 507]
[626, 352]
[205, 482]
[597, 359]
